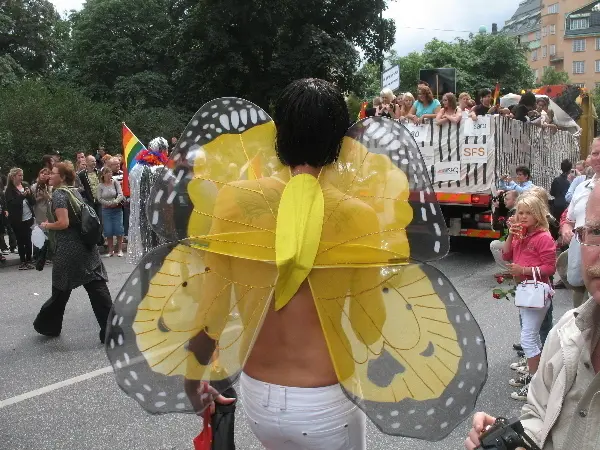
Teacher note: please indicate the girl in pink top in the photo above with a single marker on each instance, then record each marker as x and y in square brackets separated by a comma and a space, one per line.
[530, 245]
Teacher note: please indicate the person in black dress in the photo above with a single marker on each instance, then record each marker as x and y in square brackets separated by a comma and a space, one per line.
[19, 204]
[74, 263]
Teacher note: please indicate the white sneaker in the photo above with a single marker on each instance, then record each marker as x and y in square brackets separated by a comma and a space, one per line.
[520, 363]
[120, 254]
[109, 255]
[521, 394]
[523, 370]
[520, 382]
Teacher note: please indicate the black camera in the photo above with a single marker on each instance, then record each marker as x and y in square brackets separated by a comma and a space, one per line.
[506, 434]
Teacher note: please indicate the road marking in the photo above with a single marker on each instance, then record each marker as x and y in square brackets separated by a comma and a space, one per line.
[53, 387]
[89, 375]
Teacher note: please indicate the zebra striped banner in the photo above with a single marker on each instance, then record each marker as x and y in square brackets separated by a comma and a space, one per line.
[510, 144]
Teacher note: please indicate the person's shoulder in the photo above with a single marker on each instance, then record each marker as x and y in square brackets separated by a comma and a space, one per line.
[545, 237]
[436, 102]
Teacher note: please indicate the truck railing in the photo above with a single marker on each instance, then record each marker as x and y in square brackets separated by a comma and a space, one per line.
[470, 158]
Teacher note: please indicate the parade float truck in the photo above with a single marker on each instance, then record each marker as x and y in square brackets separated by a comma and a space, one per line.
[466, 161]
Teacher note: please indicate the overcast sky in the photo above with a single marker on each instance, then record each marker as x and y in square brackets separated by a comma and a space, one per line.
[457, 15]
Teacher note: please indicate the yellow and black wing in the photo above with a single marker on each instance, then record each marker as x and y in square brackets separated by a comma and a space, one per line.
[182, 313]
[404, 345]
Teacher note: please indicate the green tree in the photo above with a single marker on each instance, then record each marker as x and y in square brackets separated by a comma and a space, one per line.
[367, 83]
[253, 48]
[410, 65]
[552, 76]
[30, 38]
[120, 51]
[38, 117]
[148, 123]
[480, 62]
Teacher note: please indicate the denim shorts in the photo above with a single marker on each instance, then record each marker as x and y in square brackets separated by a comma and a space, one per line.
[112, 222]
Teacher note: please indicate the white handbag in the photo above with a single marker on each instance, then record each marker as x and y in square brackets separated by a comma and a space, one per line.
[533, 293]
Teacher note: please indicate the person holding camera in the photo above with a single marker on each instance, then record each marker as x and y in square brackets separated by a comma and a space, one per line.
[562, 409]
[521, 184]
[387, 108]
[111, 198]
[19, 204]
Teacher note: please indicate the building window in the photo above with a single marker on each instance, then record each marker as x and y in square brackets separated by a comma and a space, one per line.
[534, 55]
[552, 29]
[598, 66]
[579, 45]
[536, 73]
[552, 50]
[578, 67]
[553, 9]
[579, 85]
[544, 51]
[544, 31]
[597, 84]
[597, 43]
[580, 24]
[537, 35]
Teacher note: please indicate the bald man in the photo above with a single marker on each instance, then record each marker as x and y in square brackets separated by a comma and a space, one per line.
[562, 409]
[89, 180]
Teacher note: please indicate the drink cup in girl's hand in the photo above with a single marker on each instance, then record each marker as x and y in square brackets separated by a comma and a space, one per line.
[523, 231]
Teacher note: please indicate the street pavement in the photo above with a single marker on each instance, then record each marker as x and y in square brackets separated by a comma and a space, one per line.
[44, 406]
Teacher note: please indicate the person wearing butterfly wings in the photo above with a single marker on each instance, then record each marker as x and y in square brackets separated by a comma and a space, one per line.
[302, 275]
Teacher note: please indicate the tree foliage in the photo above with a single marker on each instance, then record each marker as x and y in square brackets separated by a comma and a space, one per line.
[37, 118]
[120, 51]
[551, 77]
[29, 38]
[255, 47]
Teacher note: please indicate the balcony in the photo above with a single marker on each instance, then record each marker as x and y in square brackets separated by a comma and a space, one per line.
[557, 57]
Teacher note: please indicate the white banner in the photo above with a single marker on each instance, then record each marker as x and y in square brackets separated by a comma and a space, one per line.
[474, 153]
[479, 127]
[391, 78]
[418, 132]
[447, 171]
[427, 152]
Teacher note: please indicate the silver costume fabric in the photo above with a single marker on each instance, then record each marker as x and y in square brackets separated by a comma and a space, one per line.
[141, 237]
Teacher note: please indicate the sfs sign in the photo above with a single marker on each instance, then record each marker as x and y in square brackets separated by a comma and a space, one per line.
[474, 153]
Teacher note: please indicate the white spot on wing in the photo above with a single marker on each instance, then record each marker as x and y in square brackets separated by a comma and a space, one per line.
[235, 119]
[244, 116]
[171, 197]
[253, 115]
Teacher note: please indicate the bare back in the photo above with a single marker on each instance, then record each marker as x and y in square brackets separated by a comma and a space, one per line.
[290, 349]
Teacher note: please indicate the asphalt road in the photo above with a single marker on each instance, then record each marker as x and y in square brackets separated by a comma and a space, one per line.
[90, 412]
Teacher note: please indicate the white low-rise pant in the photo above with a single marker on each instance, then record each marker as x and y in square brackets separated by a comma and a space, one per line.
[531, 322]
[496, 249]
[291, 418]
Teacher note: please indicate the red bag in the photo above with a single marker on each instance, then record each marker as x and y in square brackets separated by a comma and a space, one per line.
[204, 440]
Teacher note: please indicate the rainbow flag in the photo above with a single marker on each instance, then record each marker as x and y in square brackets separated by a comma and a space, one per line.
[363, 110]
[496, 93]
[131, 147]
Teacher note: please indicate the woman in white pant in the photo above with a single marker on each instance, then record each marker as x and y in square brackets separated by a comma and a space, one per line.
[292, 418]
[531, 247]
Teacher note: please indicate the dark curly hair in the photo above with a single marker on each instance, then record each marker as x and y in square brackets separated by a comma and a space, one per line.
[311, 118]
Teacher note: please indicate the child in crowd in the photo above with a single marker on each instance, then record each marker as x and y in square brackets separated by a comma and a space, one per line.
[530, 246]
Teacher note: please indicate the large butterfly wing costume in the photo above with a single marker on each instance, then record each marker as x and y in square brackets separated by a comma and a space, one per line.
[245, 234]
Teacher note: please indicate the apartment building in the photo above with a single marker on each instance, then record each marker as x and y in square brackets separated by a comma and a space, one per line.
[564, 34]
